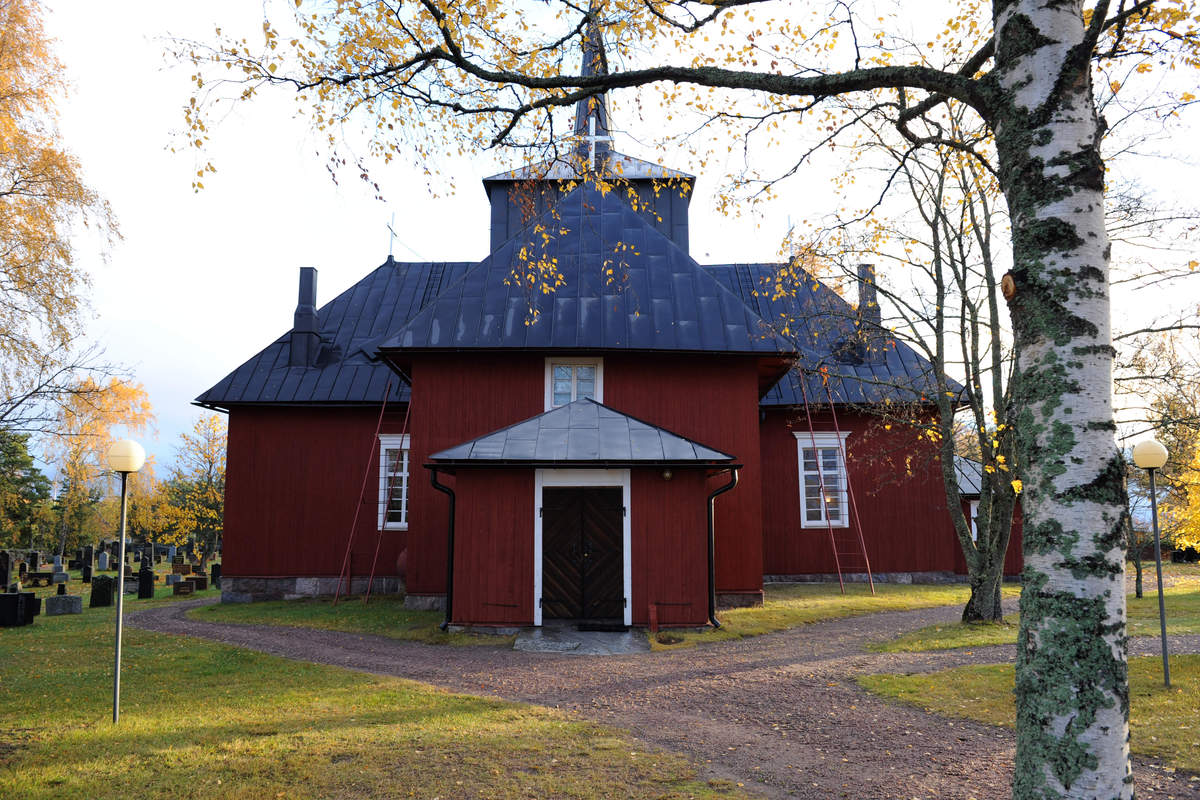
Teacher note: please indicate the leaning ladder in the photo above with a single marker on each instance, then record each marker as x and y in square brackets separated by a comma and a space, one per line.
[346, 576]
[851, 543]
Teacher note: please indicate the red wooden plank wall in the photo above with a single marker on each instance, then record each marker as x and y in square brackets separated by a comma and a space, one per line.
[670, 546]
[493, 547]
[901, 501]
[293, 481]
[713, 400]
[457, 398]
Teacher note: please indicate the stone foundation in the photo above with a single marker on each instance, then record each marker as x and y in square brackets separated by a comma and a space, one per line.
[425, 602]
[253, 590]
[861, 577]
[739, 599]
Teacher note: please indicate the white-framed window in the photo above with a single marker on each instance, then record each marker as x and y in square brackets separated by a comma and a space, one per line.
[569, 379]
[824, 492]
[393, 482]
[974, 507]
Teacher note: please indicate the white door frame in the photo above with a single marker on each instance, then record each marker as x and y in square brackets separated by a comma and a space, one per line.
[616, 478]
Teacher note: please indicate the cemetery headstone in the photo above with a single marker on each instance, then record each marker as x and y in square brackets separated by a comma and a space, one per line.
[171, 553]
[173, 579]
[181, 569]
[89, 555]
[145, 585]
[33, 606]
[5, 569]
[58, 564]
[35, 561]
[75, 563]
[12, 610]
[59, 604]
[22, 570]
[102, 563]
[215, 576]
[102, 591]
[184, 587]
[130, 585]
[86, 573]
[59, 577]
[137, 555]
[198, 581]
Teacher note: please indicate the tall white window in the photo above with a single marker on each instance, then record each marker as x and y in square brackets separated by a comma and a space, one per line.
[568, 380]
[974, 511]
[393, 482]
[824, 493]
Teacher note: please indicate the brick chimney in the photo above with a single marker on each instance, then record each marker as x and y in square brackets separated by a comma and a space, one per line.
[305, 338]
[870, 318]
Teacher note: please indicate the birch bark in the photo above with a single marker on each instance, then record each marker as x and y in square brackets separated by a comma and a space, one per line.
[1071, 683]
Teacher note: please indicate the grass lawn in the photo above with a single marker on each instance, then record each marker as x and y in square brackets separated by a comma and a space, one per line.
[1165, 723]
[1183, 617]
[791, 604]
[384, 615]
[200, 719]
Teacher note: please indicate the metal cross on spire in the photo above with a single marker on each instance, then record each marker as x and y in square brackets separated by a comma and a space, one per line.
[591, 114]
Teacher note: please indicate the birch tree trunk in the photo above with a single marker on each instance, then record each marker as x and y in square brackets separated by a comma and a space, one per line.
[1071, 676]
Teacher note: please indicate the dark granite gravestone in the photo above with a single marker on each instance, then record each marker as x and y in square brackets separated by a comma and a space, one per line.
[173, 579]
[103, 591]
[215, 576]
[75, 563]
[199, 581]
[89, 555]
[5, 569]
[63, 603]
[35, 561]
[19, 608]
[22, 570]
[184, 587]
[181, 569]
[145, 585]
[86, 573]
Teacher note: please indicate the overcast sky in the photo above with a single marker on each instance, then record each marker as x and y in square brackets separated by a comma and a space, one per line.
[202, 281]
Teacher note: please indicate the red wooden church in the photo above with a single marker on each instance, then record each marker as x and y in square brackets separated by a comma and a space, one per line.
[639, 443]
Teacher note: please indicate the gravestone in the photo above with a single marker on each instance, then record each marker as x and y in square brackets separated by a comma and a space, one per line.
[137, 555]
[89, 555]
[58, 564]
[145, 585]
[19, 608]
[171, 553]
[181, 569]
[35, 561]
[22, 570]
[86, 573]
[102, 563]
[59, 577]
[199, 581]
[5, 569]
[75, 563]
[102, 591]
[60, 604]
[184, 587]
[130, 585]
[215, 576]
[173, 579]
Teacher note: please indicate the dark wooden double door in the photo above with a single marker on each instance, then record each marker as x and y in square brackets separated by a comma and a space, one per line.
[583, 558]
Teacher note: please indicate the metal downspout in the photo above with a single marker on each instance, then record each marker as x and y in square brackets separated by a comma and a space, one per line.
[450, 547]
[712, 565]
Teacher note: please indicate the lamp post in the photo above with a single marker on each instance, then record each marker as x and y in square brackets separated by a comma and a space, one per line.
[124, 457]
[1150, 456]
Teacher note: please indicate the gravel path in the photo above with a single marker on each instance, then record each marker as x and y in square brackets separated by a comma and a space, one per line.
[780, 713]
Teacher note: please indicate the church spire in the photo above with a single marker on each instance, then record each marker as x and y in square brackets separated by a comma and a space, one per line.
[591, 113]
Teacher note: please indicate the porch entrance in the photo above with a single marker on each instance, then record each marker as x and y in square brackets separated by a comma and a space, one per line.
[583, 554]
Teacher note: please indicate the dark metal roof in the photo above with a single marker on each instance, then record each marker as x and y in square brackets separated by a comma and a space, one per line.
[969, 473]
[343, 372]
[624, 286]
[582, 432]
[823, 326]
[616, 165]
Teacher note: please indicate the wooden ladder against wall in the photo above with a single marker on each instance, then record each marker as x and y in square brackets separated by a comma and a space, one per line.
[848, 545]
[385, 502]
[346, 575]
